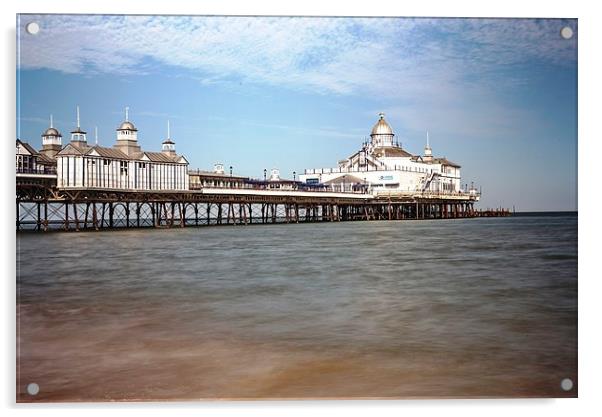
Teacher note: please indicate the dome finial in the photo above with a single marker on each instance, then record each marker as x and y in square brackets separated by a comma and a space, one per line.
[381, 115]
[51, 121]
[127, 110]
[168, 130]
[78, 126]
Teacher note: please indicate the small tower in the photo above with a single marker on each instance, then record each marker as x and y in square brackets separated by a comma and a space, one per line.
[169, 146]
[127, 136]
[78, 136]
[51, 140]
[218, 168]
[428, 152]
[275, 174]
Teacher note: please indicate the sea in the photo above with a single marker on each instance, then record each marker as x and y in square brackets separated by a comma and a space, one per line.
[458, 308]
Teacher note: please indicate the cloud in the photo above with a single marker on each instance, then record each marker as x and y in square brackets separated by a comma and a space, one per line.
[427, 72]
[38, 120]
[327, 55]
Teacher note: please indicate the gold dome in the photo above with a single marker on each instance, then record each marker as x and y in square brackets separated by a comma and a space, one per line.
[381, 127]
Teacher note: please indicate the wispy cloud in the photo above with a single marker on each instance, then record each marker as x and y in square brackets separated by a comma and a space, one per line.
[426, 72]
[38, 120]
[331, 132]
[329, 55]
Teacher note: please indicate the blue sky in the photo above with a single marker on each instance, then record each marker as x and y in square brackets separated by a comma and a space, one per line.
[498, 96]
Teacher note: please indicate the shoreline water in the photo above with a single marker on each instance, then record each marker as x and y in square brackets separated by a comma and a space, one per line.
[390, 309]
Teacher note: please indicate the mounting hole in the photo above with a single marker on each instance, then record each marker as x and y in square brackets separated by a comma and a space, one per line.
[566, 32]
[33, 388]
[32, 28]
[566, 384]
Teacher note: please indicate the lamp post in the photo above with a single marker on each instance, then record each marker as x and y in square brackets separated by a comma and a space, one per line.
[230, 170]
[344, 182]
[294, 175]
[265, 174]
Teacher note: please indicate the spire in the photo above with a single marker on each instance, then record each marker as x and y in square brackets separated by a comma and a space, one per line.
[51, 121]
[428, 152]
[96, 135]
[169, 147]
[127, 110]
[78, 126]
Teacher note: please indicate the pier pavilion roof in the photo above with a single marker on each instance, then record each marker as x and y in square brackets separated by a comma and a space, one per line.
[27, 146]
[108, 152]
[82, 149]
[445, 161]
[44, 159]
[346, 179]
[161, 157]
[113, 153]
[391, 152]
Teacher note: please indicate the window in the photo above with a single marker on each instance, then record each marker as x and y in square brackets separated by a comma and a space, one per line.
[123, 167]
[106, 162]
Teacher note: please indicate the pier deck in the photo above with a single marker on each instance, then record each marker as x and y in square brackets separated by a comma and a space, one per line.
[42, 207]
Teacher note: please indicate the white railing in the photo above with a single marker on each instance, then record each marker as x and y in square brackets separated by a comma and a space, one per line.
[428, 194]
[314, 171]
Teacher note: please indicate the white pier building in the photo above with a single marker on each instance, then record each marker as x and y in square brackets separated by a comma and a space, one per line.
[382, 166]
[125, 166]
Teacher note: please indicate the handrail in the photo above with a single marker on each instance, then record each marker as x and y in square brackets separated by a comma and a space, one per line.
[43, 171]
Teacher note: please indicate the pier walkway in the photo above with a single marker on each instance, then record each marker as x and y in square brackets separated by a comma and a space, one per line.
[40, 206]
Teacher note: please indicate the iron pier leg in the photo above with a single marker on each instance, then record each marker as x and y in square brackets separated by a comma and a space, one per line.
[137, 214]
[66, 216]
[45, 215]
[94, 216]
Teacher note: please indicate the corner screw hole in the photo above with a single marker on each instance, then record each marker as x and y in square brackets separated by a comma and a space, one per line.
[33, 388]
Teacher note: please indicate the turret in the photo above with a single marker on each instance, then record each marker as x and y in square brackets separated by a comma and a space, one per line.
[428, 152]
[51, 140]
[218, 168]
[382, 134]
[275, 174]
[127, 136]
[78, 136]
[169, 146]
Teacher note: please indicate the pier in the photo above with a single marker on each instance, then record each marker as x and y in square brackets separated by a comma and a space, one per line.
[83, 186]
[40, 206]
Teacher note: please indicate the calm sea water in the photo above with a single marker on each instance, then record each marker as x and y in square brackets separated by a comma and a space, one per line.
[440, 308]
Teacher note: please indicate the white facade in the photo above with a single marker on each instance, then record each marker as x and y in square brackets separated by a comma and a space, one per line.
[381, 164]
[123, 167]
[91, 170]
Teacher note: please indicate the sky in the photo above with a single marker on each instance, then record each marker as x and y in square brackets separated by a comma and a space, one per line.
[497, 96]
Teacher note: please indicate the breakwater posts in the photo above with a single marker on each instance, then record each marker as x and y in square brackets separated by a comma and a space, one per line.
[499, 212]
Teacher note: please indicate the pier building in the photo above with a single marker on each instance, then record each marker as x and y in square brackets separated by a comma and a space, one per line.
[383, 166]
[31, 162]
[125, 166]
